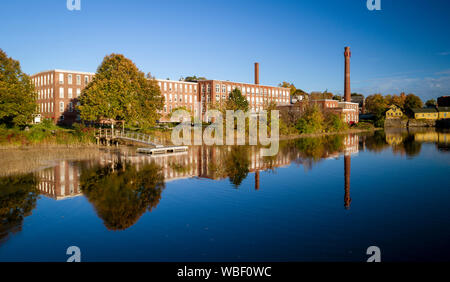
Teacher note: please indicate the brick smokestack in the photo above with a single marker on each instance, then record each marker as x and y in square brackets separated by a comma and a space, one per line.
[256, 73]
[347, 91]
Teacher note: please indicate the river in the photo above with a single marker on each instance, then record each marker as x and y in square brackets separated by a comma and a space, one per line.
[318, 199]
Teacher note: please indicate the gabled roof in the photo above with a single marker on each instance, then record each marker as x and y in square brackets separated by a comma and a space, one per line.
[425, 110]
[393, 106]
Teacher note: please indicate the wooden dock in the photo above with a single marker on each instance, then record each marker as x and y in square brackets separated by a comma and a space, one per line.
[110, 136]
[162, 150]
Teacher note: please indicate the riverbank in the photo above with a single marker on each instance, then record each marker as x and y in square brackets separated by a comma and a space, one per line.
[411, 123]
[30, 159]
[71, 139]
[312, 135]
[47, 135]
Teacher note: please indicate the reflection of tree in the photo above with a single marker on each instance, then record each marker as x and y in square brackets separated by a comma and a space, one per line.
[18, 195]
[236, 164]
[120, 193]
[411, 147]
[377, 142]
[316, 149]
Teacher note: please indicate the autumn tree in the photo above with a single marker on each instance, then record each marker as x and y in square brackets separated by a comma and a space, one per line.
[121, 193]
[17, 94]
[398, 100]
[120, 91]
[376, 104]
[236, 101]
[430, 103]
[291, 86]
[411, 102]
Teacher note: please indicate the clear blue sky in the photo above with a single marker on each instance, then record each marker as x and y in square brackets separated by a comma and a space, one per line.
[403, 47]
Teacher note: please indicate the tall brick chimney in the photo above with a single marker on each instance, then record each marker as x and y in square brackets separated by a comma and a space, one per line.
[256, 73]
[347, 91]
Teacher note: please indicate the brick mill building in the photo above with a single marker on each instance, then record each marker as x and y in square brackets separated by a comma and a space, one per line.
[58, 92]
[198, 96]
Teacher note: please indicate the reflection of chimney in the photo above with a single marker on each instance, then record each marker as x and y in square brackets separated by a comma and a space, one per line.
[347, 199]
[257, 180]
[347, 94]
[256, 73]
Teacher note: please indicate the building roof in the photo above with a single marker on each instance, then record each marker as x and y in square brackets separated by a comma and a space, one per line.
[175, 81]
[424, 110]
[246, 83]
[394, 106]
[64, 71]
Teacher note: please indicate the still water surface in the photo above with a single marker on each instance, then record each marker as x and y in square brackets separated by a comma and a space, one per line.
[319, 199]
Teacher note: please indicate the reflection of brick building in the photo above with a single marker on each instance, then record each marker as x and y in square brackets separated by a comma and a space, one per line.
[61, 181]
[58, 92]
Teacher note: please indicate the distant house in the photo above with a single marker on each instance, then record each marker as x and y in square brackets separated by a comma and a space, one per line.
[394, 111]
[444, 112]
[432, 113]
[425, 113]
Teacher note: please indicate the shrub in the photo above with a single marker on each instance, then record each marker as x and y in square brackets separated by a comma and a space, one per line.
[334, 123]
[311, 121]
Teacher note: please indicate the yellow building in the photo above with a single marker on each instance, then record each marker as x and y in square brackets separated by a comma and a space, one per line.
[444, 112]
[394, 112]
[426, 113]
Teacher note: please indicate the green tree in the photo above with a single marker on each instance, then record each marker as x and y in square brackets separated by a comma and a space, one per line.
[236, 164]
[17, 94]
[18, 196]
[334, 123]
[430, 103]
[193, 78]
[291, 86]
[236, 101]
[411, 102]
[120, 91]
[311, 121]
[337, 98]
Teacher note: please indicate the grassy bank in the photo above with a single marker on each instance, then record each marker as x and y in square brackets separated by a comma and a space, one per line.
[46, 134]
[352, 130]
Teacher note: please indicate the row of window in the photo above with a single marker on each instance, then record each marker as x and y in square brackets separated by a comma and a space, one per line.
[70, 79]
[70, 93]
[48, 107]
[255, 100]
[47, 79]
[172, 86]
[48, 93]
[191, 108]
[187, 98]
[222, 88]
